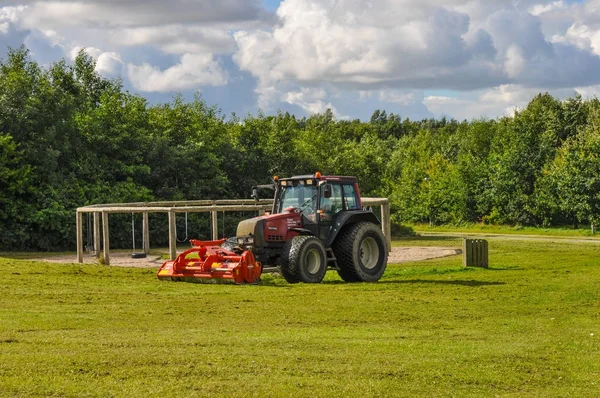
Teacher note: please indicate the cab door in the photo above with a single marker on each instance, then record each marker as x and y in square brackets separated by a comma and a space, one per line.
[331, 202]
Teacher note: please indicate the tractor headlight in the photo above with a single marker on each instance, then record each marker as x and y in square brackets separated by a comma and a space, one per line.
[245, 240]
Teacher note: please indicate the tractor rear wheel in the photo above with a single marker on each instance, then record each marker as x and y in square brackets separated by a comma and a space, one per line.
[361, 252]
[304, 260]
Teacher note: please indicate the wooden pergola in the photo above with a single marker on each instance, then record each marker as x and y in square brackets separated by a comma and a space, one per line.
[101, 212]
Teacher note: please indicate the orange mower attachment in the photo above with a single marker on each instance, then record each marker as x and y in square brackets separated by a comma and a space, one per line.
[207, 261]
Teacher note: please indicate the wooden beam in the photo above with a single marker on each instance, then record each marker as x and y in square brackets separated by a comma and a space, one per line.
[79, 229]
[172, 236]
[199, 206]
[373, 201]
[97, 236]
[105, 238]
[386, 225]
[146, 229]
[184, 209]
[185, 203]
[215, 225]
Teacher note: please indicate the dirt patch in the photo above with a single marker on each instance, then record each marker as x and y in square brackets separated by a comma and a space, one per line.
[407, 254]
[397, 255]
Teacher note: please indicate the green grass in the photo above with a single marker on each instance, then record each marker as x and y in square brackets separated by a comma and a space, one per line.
[528, 326]
[583, 231]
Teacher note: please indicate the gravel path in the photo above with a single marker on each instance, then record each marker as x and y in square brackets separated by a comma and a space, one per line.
[397, 255]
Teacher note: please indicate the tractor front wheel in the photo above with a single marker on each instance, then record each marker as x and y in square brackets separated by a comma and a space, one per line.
[304, 260]
[361, 252]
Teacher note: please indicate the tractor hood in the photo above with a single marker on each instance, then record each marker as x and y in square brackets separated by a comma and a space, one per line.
[271, 228]
[247, 227]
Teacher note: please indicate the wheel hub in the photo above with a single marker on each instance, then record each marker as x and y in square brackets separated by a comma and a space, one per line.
[369, 253]
[313, 261]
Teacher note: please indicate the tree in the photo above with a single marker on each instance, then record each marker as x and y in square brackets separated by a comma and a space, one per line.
[576, 174]
[14, 180]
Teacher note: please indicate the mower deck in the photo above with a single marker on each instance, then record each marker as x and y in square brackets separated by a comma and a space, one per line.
[207, 261]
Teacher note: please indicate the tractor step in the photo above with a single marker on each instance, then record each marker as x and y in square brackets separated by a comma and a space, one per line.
[331, 259]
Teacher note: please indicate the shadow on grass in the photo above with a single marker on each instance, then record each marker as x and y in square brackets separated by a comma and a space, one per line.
[505, 268]
[470, 283]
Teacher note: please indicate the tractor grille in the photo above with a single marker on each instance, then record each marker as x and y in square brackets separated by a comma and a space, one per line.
[275, 238]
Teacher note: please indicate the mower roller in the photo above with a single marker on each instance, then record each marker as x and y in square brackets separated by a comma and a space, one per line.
[208, 261]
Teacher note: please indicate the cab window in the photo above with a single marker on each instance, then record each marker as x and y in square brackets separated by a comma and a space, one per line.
[333, 204]
[350, 197]
[300, 197]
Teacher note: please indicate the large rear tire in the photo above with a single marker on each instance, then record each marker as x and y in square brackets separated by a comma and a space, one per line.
[361, 252]
[304, 260]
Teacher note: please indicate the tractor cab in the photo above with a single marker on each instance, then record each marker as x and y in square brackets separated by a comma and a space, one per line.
[318, 199]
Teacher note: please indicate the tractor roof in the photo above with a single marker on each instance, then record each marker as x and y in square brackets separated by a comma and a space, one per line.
[321, 178]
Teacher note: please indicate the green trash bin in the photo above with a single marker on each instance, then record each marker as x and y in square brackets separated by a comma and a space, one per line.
[475, 253]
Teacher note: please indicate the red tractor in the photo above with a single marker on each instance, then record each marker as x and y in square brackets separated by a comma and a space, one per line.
[316, 223]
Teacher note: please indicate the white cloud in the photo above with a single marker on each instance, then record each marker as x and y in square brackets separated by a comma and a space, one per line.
[132, 13]
[514, 62]
[8, 16]
[311, 100]
[109, 63]
[409, 44]
[495, 54]
[589, 91]
[313, 43]
[403, 97]
[177, 39]
[503, 100]
[542, 8]
[192, 71]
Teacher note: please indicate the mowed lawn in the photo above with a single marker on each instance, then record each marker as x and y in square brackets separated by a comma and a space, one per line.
[528, 326]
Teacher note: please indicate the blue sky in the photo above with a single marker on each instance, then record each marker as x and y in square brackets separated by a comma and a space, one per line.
[272, 5]
[416, 58]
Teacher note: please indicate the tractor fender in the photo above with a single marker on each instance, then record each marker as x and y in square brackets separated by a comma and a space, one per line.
[347, 218]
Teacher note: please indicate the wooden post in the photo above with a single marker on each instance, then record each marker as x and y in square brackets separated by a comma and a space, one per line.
[146, 229]
[79, 229]
[475, 253]
[386, 225]
[105, 238]
[97, 238]
[172, 236]
[215, 225]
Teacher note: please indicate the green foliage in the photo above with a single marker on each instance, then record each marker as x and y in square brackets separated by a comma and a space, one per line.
[70, 137]
[575, 174]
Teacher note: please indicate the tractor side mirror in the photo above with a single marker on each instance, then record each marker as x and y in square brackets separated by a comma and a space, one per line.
[255, 193]
[327, 191]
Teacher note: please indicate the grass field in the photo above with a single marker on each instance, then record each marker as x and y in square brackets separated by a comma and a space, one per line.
[528, 326]
[583, 231]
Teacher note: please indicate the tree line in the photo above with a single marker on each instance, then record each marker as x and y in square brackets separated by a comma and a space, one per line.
[70, 137]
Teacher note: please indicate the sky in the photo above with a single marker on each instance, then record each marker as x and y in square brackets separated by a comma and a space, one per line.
[461, 59]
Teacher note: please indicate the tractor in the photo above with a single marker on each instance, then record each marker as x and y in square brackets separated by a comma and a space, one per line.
[316, 223]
